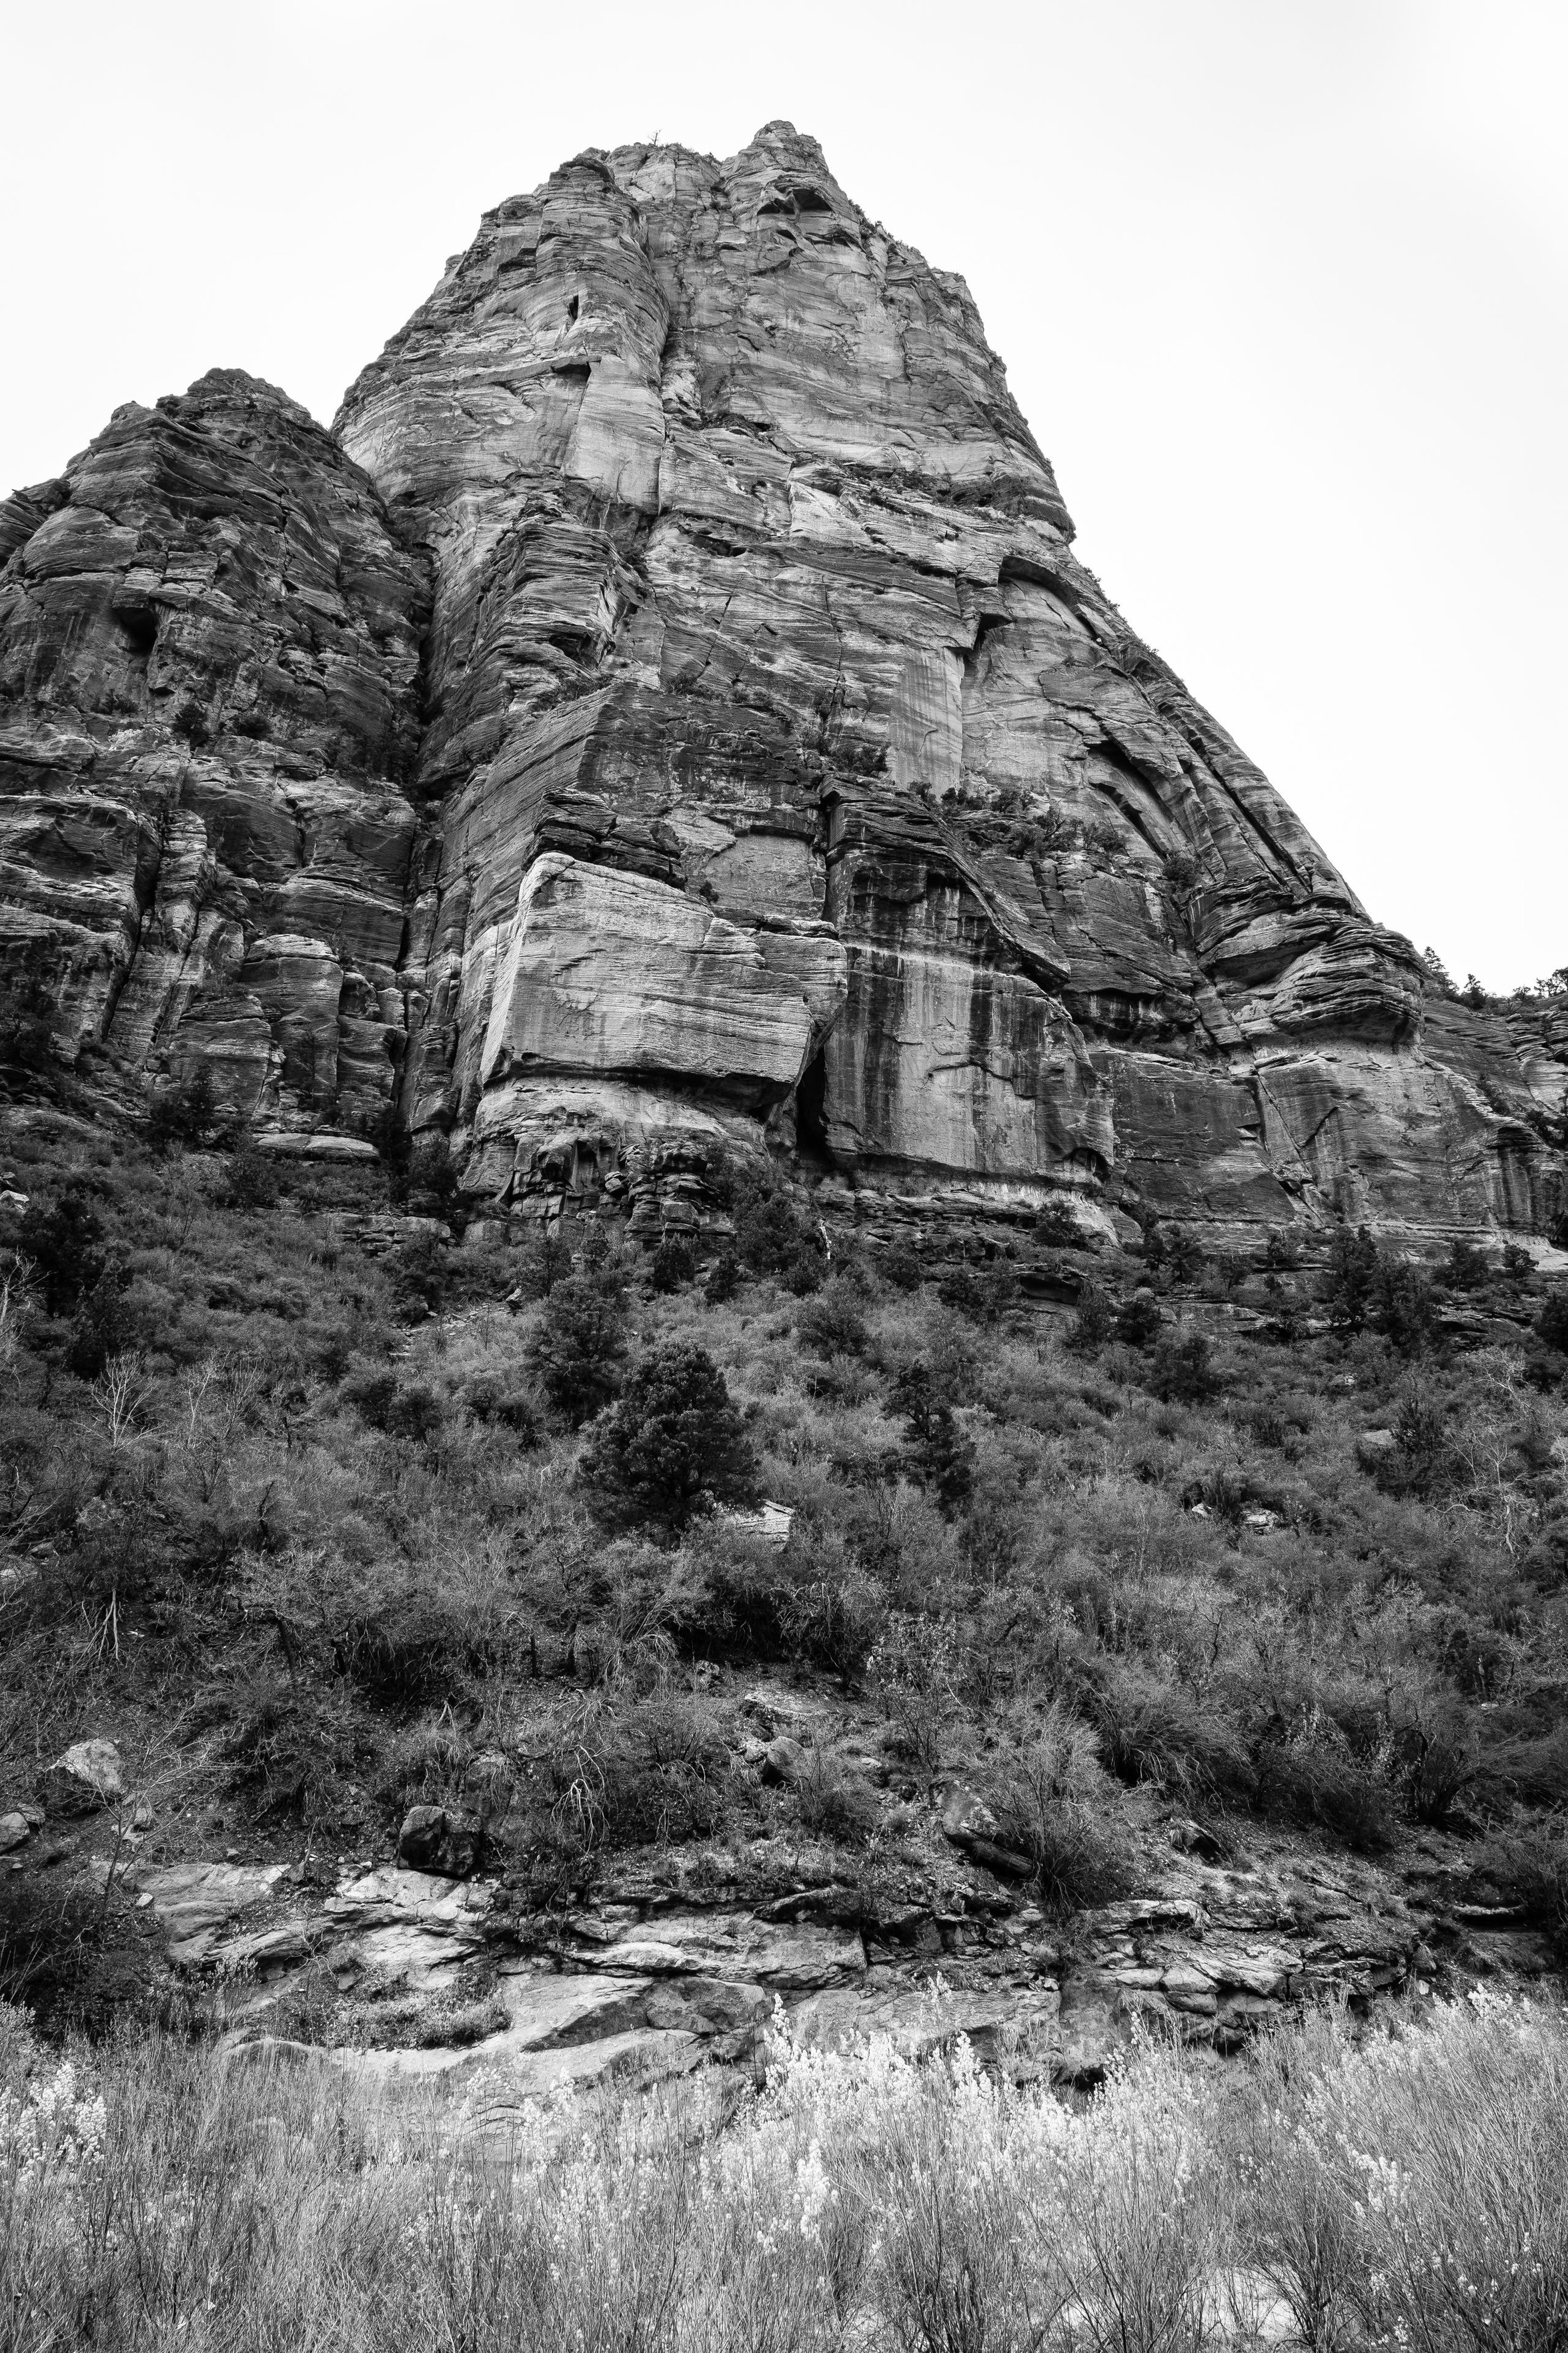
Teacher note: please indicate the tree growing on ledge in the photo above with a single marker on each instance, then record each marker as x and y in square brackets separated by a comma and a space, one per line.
[675, 1445]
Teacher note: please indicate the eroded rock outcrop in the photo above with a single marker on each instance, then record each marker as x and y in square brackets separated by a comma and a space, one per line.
[209, 654]
[669, 709]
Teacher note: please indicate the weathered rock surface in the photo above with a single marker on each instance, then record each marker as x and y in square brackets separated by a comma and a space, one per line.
[670, 709]
[209, 649]
[88, 1775]
[433, 1837]
[642, 1987]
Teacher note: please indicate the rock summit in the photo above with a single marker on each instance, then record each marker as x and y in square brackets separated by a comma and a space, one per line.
[665, 712]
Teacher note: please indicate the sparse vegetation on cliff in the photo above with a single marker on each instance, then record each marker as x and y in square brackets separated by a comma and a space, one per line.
[289, 1487]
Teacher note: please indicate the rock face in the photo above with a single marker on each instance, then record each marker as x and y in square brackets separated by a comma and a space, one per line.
[209, 654]
[648, 1984]
[669, 708]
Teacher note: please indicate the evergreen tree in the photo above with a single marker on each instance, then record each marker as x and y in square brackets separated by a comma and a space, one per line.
[675, 1444]
[1352, 1277]
[63, 1243]
[941, 1455]
[579, 1345]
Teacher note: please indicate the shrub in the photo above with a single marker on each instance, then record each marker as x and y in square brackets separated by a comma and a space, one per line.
[673, 1264]
[902, 1265]
[28, 1014]
[940, 1454]
[771, 1237]
[1402, 1306]
[185, 1112]
[804, 1271]
[982, 1293]
[832, 1608]
[1156, 1731]
[723, 1279]
[494, 1398]
[70, 1950]
[1410, 2188]
[831, 1324]
[1551, 1323]
[1057, 1228]
[833, 1800]
[1468, 1268]
[63, 1240]
[1316, 1776]
[371, 1396]
[914, 1668]
[1525, 1867]
[674, 1445]
[579, 1346]
[1182, 1369]
[1421, 1462]
[105, 1324]
[1140, 1320]
[1091, 1326]
[1056, 1805]
[1352, 1278]
[1281, 1253]
[415, 1413]
[251, 1181]
[630, 1769]
[1185, 1254]
[428, 1181]
[420, 1275]
[1437, 1761]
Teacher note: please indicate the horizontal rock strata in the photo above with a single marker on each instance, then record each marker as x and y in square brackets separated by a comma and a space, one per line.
[649, 1984]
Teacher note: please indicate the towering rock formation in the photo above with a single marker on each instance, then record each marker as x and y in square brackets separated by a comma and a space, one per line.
[669, 707]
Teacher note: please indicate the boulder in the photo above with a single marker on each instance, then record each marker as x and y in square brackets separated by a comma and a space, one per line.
[436, 1839]
[15, 1831]
[88, 1775]
[782, 1762]
[968, 1820]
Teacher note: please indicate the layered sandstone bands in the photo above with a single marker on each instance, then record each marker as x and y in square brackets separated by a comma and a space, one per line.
[209, 658]
[669, 708]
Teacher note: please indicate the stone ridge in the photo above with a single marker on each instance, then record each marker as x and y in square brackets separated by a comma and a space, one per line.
[731, 747]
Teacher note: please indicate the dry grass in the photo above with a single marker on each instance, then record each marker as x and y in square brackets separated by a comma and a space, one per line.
[1412, 2189]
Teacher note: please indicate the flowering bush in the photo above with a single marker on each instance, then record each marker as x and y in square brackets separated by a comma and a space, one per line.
[51, 2145]
[1410, 2188]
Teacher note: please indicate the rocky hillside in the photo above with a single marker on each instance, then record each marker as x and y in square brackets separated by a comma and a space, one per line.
[665, 713]
[465, 1659]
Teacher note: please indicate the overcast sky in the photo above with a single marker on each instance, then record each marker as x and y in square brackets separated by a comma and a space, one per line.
[1281, 286]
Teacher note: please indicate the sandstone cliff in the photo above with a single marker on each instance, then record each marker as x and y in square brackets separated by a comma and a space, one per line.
[668, 707]
[209, 660]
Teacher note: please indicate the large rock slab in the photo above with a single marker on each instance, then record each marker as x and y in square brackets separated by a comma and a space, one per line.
[192, 1901]
[735, 1948]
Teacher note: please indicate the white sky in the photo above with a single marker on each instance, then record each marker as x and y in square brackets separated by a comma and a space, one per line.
[1281, 286]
